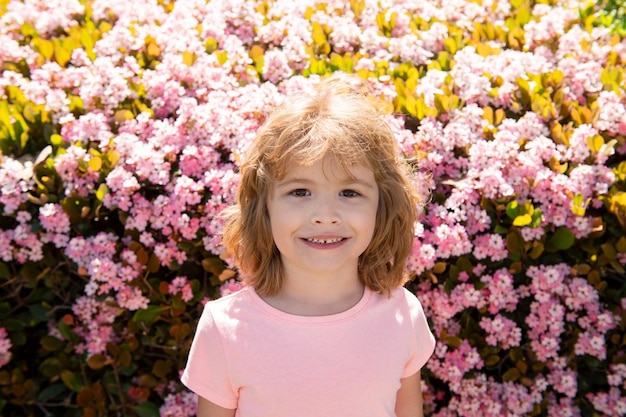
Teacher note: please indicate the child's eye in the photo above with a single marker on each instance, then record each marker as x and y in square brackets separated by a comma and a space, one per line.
[349, 193]
[300, 192]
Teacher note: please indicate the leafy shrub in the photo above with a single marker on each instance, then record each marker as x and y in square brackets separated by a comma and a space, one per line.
[122, 127]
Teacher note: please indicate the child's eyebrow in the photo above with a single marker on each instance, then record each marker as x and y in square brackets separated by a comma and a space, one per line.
[358, 181]
[293, 181]
[308, 182]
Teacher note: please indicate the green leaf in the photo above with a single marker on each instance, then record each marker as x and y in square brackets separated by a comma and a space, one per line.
[71, 380]
[512, 374]
[512, 209]
[453, 341]
[66, 331]
[501, 230]
[51, 343]
[96, 361]
[514, 242]
[213, 265]
[50, 392]
[4, 270]
[537, 216]
[161, 368]
[13, 324]
[51, 367]
[537, 250]
[148, 315]
[492, 360]
[147, 409]
[38, 313]
[562, 239]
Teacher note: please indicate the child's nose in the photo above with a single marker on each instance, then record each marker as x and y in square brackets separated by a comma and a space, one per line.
[326, 211]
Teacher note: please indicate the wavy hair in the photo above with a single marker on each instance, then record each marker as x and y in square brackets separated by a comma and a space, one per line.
[343, 121]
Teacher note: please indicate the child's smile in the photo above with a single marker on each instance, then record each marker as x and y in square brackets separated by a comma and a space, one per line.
[321, 218]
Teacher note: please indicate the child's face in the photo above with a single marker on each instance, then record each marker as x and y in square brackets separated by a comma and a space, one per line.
[321, 219]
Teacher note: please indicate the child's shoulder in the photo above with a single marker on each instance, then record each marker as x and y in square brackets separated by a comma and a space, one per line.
[236, 299]
[402, 294]
[406, 300]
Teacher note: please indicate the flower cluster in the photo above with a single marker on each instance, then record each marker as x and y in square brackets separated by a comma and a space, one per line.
[121, 132]
[5, 347]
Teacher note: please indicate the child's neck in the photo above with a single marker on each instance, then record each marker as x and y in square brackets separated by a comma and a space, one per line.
[317, 297]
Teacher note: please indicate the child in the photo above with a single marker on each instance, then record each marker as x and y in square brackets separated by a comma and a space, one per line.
[321, 229]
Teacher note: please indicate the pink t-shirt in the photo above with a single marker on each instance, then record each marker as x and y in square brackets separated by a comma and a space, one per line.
[264, 362]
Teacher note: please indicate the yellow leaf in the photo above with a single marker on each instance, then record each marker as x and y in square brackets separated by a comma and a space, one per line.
[222, 57]
[586, 114]
[56, 139]
[86, 39]
[102, 191]
[317, 34]
[579, 205]
[153, 50]
[95, 163]
[210, 45]
[227, 274]
[189, 58]
[488, 115]
[522, 220]
[45, 47]
[61, 55]
[450, 45]
[256, 53]
[439, 267]
[500, 115]
[595, 143]
[113, 157]
[513, 41]
[123, 115]
[309, 12]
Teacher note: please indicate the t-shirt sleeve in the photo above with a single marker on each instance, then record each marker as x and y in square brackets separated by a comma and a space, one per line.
[423, 339]
[207, 372]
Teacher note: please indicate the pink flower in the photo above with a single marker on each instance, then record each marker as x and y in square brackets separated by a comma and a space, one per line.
[15, 181]
[182, 404]
[276, 66]
[5, 347]
[501, 330]
[180, 285]
[54, 219]
[230, 287]
[131, 298]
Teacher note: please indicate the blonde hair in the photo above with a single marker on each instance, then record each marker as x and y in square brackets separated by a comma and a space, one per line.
[342, 121]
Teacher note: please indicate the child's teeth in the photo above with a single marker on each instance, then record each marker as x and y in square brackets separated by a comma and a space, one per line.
[325, 241]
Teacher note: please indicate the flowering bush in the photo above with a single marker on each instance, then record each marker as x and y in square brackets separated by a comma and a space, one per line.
[122, 127]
